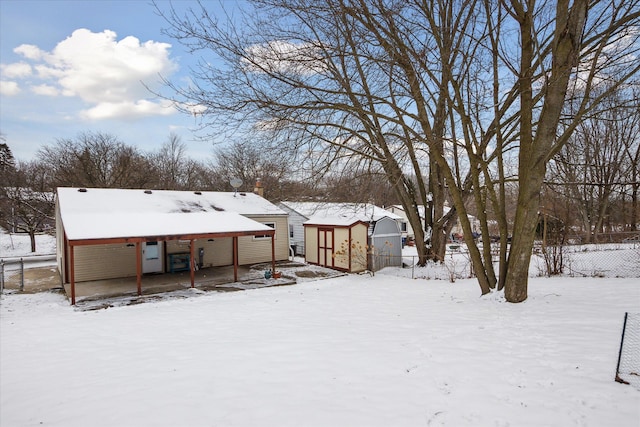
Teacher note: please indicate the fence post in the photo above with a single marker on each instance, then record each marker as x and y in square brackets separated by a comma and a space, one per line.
[21, 275]
[1, 276]
[413, 267]
[624, 329]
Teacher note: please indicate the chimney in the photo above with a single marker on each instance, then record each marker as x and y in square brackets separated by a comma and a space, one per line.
[258, 188]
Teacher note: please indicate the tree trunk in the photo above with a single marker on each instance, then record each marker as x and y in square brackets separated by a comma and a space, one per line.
[32, 237]
[524, 230]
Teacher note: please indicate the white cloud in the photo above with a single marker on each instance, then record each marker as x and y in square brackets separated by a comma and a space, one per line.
[29, 51]
[15, 70]
[128, 110]
[45, 90]
[103, 72]
[8, 88]
[284, 57]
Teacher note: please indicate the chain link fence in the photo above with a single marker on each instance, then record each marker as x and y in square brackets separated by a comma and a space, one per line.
[593, 260]
[29, 274]
[628, 368]
[12, 275]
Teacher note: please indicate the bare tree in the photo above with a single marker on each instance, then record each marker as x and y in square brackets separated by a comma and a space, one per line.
[96, 160]
[596, 164]
[254, 161]
[170, 162]
[26, 200]
[446, 92]
[326, 89]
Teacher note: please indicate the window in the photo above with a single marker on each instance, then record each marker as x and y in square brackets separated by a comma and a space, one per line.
[151, 250]
[266, 236]
[403, 227]
[290, 230]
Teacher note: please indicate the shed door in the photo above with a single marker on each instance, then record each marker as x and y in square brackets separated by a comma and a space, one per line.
[152, 257]
[325, 247]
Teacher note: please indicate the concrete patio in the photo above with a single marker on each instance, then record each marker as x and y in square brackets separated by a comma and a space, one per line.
[207, 279]
[124, 291]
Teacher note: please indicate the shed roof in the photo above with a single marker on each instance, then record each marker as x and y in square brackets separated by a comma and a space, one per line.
[331, 213]
[103, 213]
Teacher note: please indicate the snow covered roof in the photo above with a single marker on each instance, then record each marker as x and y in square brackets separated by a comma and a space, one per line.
[100, 213]
[421, 211]
[339, 213]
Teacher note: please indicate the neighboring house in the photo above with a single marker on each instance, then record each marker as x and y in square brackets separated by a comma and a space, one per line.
[407, 230]
[351, 237]
[112, 233]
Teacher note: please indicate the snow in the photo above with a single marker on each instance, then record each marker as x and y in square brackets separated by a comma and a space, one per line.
[136, 213]
[97, 200]
[356, 350]
[327, 213]
[350, 351]
[139, 225]
[19, 245]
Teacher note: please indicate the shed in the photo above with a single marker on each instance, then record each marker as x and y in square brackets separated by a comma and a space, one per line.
[350, 237]
[112, 233]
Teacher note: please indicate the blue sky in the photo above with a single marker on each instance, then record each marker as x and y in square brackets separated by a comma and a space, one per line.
[75, 66]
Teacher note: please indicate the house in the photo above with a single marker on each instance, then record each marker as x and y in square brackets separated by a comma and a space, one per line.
[407, 230]
[113, 233]
[350, 237]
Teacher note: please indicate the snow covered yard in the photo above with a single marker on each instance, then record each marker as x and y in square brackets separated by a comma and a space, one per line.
[349, 351]
[19, 245]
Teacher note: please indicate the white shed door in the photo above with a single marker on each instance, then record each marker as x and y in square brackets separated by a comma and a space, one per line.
[152, 257]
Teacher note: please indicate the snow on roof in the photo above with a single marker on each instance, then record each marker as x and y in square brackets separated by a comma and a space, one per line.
[339, 213]
[100, 213]
[421, 211]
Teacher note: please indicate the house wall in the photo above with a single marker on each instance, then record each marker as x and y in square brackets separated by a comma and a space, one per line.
[60, 255]
[97, 262]
[111, 261]
[253, 250]
[311, 244]
[217, 252]
[295, 224]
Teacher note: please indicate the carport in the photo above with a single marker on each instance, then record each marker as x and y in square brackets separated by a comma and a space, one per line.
[136, 231]
[105, 233]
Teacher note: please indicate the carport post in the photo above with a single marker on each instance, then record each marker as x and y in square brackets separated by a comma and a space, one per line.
[273, 253]
[72, 275]
[235, 258]
[139, 267]
[192, 263]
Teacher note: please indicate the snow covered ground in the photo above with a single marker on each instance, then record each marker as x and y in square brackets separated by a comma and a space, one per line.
[19, 245]
[350, 351]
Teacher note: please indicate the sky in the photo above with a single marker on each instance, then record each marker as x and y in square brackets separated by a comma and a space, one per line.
[68, 67]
